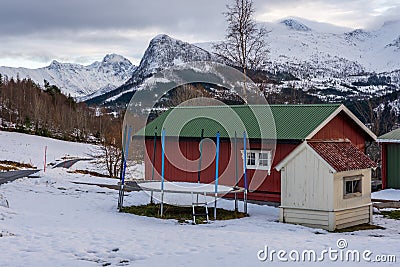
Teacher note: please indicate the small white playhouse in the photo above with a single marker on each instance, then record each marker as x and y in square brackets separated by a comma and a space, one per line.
[326, 185]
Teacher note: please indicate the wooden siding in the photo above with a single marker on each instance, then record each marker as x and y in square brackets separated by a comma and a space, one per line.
[183, 166]
[342, 127]
[384, 165]
[311, 218]
[354, 216]
[329, 220]
[393, 166]
[307, 182]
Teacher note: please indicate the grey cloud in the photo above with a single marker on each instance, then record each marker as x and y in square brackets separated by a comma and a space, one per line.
[82, 30]
[27, 16]
[91, 28]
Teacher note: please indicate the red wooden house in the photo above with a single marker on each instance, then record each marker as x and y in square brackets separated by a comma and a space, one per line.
[294, 124]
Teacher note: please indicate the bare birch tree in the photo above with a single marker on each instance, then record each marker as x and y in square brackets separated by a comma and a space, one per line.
[244, 43]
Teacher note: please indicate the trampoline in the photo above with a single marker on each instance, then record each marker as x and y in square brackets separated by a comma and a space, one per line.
[187, 188]
[192, 188]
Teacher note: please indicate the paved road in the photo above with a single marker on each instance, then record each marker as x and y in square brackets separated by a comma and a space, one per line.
[68, 163]
[13, 175]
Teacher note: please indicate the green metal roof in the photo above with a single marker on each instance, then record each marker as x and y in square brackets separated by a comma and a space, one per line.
[390, 136]
[292, 122]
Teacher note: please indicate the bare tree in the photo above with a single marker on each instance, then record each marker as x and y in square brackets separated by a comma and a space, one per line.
[244, 43]
[109, 154]
[186, 92]
[110, 157]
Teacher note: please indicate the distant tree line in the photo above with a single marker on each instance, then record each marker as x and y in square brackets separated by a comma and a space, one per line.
[25, 107]
[28, 108]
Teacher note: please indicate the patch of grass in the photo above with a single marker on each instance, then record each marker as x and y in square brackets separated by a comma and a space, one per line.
[391, 214]
[365, 226]
[182, 214]
[92, 173]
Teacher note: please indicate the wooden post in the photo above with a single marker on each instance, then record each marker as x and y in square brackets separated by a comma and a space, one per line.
[45, 159]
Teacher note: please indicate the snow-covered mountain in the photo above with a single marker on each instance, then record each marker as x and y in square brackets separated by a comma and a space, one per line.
[313, 49]
[162, 52]
[333, 49]
[321, 55]
[79, 80]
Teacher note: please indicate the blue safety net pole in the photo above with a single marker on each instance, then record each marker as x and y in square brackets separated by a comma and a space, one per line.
[162, 170]
[216, 175]
[122, 167]
[125, 152]
[201, 156]
[236, 172]
[200, 159]
[245, 171]
[153, 162]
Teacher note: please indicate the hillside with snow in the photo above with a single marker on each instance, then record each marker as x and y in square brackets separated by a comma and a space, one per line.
[329, 62]
[163, 52]
[320, 55]
[337, 50]
[79, 80]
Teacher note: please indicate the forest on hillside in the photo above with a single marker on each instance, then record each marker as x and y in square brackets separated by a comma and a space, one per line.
[28, 108]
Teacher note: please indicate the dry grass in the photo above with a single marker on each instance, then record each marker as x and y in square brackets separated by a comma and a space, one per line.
[92, 173]
[7, 168]
[392, 214]
[365, 226]
[8, 165]
[182, 214]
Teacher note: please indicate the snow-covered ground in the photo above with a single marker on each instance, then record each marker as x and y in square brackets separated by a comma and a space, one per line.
[387, 194]
[52, 221]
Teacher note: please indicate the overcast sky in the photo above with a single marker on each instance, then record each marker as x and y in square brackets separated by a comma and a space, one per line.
[34, 32]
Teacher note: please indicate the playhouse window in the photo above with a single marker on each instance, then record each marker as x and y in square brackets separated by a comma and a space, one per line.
[257, 159]
[352, 186]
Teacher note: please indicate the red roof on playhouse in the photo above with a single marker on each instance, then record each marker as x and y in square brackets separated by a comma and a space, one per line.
[342, 155]
[331, 130]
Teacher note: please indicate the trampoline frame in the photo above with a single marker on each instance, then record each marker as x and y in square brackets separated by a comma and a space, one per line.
[162, 183]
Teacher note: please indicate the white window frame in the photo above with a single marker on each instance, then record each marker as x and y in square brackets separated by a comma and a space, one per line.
[352, 179]
[257, 165]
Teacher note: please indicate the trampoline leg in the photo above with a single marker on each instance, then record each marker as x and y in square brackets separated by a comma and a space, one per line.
[151, 198]
[162, 204]
[236, 202]
[121, 198]
[245, 202]
[215, 207]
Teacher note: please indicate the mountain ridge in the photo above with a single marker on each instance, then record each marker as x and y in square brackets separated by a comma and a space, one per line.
[78, 80]
[162, 52]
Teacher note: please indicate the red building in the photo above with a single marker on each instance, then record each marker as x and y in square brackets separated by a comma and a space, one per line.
[293, 125]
